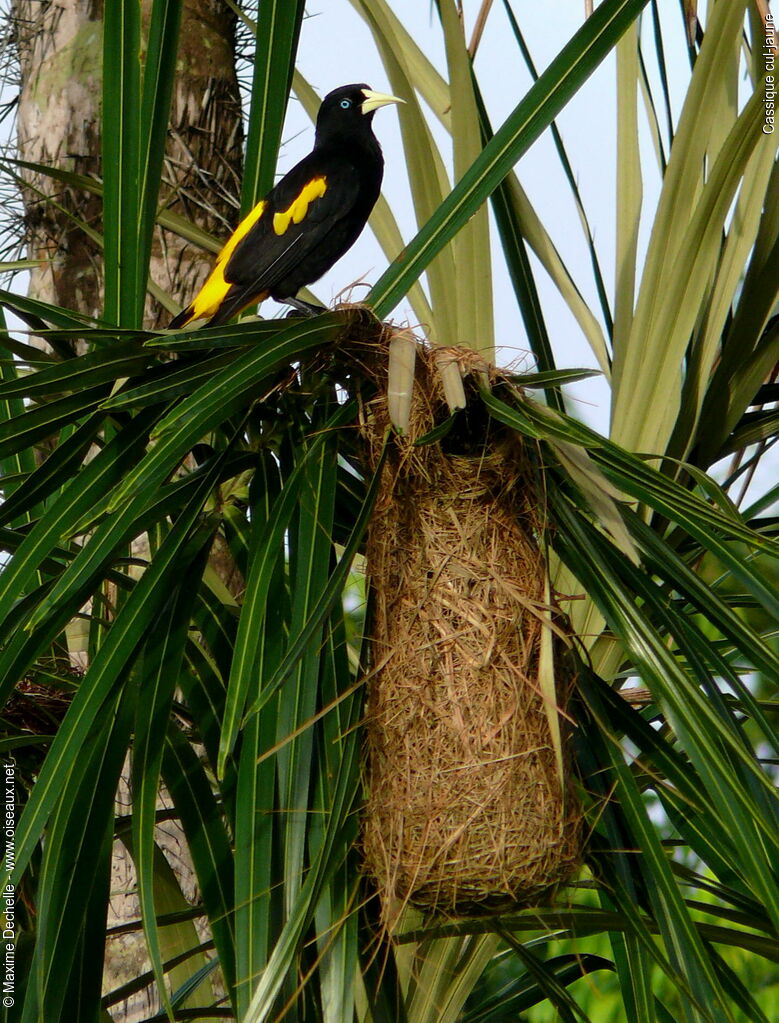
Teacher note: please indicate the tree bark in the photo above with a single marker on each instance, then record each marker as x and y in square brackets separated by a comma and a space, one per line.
[59, 48]
[59, 45]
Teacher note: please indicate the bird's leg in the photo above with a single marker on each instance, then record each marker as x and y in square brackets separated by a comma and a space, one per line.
[301, 308]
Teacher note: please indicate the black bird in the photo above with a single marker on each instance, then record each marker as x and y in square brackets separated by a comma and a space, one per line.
[307, 221]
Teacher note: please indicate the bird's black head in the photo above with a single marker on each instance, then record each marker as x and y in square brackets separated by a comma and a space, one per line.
[349, 110]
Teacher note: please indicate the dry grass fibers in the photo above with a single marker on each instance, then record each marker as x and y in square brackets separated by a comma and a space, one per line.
[466, 809]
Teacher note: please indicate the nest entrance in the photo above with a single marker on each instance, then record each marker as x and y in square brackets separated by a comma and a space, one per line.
[466, 809]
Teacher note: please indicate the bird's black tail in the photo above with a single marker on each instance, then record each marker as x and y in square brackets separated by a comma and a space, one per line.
[236, 300]
[181, 319]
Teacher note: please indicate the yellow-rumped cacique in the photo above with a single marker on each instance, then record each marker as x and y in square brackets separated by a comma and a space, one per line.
[307, 221]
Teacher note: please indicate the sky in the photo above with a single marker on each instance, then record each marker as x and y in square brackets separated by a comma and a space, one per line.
[336, 48]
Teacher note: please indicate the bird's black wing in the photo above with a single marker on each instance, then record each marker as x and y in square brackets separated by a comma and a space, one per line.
[300, 220]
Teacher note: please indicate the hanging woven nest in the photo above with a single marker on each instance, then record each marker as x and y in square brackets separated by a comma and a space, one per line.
[467, 807]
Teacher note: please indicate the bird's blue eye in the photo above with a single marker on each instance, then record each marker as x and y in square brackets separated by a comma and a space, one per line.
[346, 103]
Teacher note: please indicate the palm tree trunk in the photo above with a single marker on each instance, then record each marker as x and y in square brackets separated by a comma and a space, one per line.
[59, 49]
[60, 57]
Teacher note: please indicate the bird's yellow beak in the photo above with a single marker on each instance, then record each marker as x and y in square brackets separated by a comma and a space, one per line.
[374, 100]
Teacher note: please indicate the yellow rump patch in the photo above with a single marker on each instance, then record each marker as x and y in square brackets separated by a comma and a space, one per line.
[213, 292]
[299, 208]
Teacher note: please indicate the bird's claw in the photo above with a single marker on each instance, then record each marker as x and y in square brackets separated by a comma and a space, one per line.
[301, 308]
